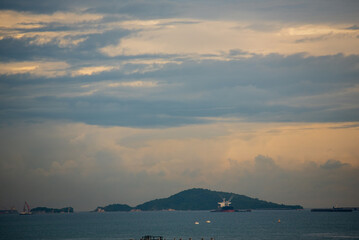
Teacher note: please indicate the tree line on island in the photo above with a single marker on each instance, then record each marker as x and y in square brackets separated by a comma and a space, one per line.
[39, 210]
[198, 199]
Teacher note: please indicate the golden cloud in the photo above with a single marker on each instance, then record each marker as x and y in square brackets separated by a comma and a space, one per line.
[196, 38]
[36, 68]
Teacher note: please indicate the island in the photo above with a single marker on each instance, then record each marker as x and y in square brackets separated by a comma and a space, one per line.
[114, 208]
[42, 210]
[9, 211]
[199, 199]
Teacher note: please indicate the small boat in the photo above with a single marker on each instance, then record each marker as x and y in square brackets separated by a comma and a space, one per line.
[26, 210]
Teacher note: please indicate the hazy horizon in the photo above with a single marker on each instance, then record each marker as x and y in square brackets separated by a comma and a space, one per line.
[129, 101]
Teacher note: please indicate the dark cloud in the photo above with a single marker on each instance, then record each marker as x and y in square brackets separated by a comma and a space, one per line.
[346, 126]
[23, 49]
[103, 111]
[314, 39]
[36, 6]
[138, 9]
[333, 164]
[276, 10]
[354, 27]
[260, 88]
[264, 161]
[288, 75]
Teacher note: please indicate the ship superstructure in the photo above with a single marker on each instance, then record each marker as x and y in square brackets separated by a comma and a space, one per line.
[225, 206]
[26, 210]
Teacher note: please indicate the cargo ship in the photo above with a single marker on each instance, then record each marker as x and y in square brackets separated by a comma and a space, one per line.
[224, 206]
[333, 209]
[26, 210]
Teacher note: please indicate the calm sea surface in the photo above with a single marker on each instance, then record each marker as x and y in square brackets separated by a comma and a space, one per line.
[181, 224]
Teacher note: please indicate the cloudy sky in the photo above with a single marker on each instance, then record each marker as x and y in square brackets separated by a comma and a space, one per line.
[125, 101]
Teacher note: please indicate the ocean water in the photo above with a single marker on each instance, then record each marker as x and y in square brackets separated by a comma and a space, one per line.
[255, 225]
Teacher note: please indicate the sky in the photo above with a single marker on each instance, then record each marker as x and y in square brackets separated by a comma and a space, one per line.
[107, 102]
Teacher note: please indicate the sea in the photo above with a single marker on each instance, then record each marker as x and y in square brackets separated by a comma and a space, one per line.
[255, 225]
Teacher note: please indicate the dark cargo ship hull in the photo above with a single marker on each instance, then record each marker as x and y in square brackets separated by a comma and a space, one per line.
[331, 210]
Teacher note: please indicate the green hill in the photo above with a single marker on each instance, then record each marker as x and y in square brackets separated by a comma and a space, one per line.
[52, 210]
[114, 208]
[203, 199]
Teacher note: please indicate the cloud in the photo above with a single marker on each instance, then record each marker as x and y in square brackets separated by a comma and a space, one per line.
[43, 29]
[277, 10]
[163, 36]
[42, 69]
[276, 162]
[83, 50]
[92, 70]
[134, 84]
[354, 27]
[98, 98]
[264, 162]
[314, 39]
[332, 164]
[36, 6]
[181, 91]
[264, 27]
[14, 19]
[302, 11]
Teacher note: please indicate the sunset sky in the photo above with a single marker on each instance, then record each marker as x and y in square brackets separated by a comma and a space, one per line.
[125, 101]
